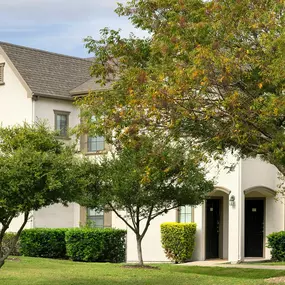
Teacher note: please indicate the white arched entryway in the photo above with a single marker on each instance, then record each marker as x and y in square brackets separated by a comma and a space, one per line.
[259, 202]
[217, 223]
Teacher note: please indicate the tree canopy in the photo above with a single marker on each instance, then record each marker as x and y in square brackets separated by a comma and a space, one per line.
[146, 179]
[211, 71]
[36, 170]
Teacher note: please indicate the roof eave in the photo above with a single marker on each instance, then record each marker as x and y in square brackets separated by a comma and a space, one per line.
[41, 95]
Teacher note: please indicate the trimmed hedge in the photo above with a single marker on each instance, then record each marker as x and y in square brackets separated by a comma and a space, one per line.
[276, 241]
[49, 243]
[6, 244]
[90, 245]
[178, 240]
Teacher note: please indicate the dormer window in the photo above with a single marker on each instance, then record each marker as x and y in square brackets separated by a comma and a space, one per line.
[2, 73]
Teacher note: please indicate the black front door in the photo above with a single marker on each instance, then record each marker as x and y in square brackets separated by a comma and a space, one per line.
[212, 228]
[254, 226]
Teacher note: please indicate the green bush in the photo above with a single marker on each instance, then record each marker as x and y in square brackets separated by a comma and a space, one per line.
[7, 242]
[106, 245]
[49, 243]
[276, 241]
[178, 240]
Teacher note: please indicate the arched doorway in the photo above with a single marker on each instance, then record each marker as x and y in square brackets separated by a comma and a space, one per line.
[216, 224]
[254, 217]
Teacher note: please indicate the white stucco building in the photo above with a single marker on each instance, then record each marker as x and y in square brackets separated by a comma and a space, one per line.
[232, 223]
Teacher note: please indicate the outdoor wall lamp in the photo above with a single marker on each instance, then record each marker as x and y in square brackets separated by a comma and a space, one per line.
[232, 200]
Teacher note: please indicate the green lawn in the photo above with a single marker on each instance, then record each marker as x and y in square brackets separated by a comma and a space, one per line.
[28, 271]
[280, 263]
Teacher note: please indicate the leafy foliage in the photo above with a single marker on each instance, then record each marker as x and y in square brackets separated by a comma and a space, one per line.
[49, 243]
[212, 71]
[36, 170]
[276, 241]
[178, 240]
[106, 245]
[147, 178]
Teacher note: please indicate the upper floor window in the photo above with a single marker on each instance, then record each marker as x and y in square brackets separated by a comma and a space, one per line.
[62, 123]
[2, 73]
[95, 144]
[186, 214]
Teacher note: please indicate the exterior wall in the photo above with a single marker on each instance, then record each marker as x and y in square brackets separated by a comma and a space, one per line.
[15, 106]
[57, 215]
[151, 244]
[245, 175]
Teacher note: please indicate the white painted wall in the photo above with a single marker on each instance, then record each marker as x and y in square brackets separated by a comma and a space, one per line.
[15, 106]
[57, 215]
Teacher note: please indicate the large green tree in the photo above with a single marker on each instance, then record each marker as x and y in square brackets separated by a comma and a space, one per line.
[212, 71]
[146, 178]
[36, 170]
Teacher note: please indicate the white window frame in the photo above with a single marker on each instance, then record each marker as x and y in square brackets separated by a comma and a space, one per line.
[2, 64]
[187, 212]
[61, 113]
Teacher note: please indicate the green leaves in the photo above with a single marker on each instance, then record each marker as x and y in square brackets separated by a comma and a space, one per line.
[178, 240]
[36, 170]
[206, 72]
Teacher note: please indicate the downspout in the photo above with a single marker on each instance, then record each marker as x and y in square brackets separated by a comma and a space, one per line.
[239, 213]
[34, 99]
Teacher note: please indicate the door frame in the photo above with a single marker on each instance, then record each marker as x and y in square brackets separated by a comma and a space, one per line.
[264, 224]
[221, 225]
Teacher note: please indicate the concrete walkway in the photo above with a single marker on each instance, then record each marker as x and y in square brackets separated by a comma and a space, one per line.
[226, 264]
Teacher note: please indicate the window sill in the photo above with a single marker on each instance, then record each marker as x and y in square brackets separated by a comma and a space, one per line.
[98, 152]
[63, 138]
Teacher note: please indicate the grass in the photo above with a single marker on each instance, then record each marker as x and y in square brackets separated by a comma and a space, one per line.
[39, 271]
[269, 263]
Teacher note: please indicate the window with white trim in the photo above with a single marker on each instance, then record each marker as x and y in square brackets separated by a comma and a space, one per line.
[185, 214]
[95, 144]
[2, 73]
[62, 123]
[96, 218]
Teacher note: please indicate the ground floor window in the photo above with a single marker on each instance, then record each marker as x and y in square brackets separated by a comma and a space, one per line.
[95, 218]
[185, 214]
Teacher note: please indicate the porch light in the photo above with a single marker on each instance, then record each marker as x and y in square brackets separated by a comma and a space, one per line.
[232, 200]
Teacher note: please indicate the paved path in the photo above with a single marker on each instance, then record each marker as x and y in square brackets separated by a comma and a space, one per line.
[223, 263]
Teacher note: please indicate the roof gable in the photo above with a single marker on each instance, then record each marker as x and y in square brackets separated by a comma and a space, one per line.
[48, 74]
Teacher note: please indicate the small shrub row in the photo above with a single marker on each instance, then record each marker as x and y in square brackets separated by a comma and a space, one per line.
[49, 243]
[178, 240]
[108, 245]
[85, 244]
[276, 241]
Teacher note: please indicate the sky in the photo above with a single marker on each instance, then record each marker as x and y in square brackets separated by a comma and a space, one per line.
[59, 25]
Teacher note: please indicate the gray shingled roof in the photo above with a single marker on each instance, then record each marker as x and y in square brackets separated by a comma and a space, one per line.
[46, 73]
[89, 85]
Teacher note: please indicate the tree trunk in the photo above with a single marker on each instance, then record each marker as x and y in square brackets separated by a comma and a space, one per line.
[139, 248]
[2, 261]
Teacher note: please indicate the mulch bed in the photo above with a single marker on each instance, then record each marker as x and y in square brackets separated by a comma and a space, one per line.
[137, 266]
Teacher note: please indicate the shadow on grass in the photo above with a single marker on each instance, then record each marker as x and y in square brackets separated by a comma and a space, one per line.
[243, 273]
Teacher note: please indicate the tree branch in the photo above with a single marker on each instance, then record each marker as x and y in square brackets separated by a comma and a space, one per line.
[121, 217]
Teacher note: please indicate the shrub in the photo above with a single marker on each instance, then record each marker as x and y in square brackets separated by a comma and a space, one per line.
[178, 240]
[276, 241]
[49, 243]
[7, 242]
[86, 244]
